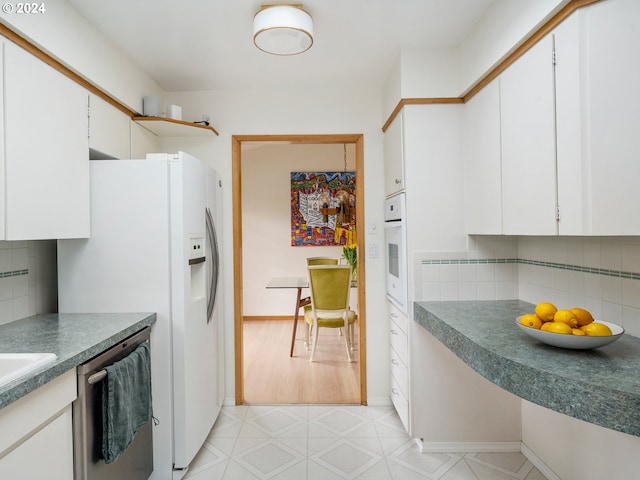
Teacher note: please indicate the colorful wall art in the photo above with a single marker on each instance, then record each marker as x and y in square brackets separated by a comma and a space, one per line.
[323, 208]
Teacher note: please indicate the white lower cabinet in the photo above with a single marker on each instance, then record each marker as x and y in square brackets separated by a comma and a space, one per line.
[399, 363]
[37, 435]
[50, 446]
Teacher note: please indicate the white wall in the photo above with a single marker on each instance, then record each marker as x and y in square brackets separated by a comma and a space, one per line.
[63, 33]
[237, 112]
[266, 220]
[601, 274]
[28, 283]
[432, 73]
[499, 32]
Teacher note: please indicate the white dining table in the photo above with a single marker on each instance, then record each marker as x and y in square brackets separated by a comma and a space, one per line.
[298, 283]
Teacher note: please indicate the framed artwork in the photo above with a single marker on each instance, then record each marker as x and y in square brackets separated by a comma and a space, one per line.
[323, 208]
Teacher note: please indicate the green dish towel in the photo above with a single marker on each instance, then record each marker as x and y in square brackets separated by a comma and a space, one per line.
[126, 401]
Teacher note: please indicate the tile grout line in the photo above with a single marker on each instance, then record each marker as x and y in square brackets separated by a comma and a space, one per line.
[523, 261]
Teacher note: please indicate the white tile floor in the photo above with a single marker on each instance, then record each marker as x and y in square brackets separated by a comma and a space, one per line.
[301, 442]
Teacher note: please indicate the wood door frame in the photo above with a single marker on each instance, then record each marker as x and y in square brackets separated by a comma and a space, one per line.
[236, 165]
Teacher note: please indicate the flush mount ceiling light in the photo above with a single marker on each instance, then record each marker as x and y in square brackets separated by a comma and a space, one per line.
[283, 29]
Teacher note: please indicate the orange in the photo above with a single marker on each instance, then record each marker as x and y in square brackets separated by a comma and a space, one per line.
[531, 320]
[566, 316]
[595, 329]
[578, 332]
[545, 311]
[559, 327]
[584, 316]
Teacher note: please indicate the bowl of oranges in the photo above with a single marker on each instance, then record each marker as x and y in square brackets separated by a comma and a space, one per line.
[573, 328]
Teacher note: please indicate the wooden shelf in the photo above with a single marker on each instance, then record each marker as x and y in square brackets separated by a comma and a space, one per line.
[169, 127]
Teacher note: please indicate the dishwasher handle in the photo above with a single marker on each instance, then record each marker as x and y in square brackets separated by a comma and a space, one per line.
[96, 377]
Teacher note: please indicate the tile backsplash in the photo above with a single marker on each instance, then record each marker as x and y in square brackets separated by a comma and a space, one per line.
[28, 279]
[601, 274]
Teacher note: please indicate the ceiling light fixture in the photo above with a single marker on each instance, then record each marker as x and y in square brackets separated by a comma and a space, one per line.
[283, 29]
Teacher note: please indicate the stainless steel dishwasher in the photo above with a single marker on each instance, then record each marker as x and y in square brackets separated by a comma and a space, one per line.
[136, 463]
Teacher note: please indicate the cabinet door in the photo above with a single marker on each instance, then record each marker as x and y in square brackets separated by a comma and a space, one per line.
[482, 162]
[109, 130]
[394, 157]
[2, 149]
[528, 143]
[572, 204]
[612, 116]
[46, 151]
[47, 454]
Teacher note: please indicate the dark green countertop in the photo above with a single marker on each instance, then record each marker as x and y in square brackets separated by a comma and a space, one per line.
[73, 337]
[600, 386]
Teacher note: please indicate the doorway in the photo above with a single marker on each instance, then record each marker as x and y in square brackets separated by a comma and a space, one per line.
[237, 142]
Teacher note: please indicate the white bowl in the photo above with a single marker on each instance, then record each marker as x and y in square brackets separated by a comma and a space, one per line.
[574, 342]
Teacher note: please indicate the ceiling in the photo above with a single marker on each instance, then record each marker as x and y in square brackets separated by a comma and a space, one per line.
[207, 44]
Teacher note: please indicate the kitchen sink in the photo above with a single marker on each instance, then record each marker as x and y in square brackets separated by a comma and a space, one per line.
[15, 365]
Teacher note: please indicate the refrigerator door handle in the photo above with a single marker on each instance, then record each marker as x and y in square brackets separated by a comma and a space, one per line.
[214, 265]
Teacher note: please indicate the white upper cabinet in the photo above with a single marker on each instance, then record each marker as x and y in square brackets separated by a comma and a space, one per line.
[527, 112]
[109, 130]
[3, 204]
[610, 78]
[394, 157]
[482, 162]
[46, 151]
[572, 202]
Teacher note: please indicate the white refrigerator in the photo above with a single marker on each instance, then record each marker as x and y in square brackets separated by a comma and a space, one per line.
[153, 248]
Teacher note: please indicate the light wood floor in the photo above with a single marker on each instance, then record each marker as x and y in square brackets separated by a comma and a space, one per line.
[272, 377]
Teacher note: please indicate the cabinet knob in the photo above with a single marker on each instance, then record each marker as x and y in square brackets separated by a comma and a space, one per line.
[394, 391]
[394, 361]
[398, 181]
[393, 332]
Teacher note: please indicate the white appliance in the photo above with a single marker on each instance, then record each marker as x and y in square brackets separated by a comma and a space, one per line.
[395, 235]
[153, 248]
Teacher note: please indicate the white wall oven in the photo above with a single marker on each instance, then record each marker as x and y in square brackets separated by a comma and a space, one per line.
[395, 233]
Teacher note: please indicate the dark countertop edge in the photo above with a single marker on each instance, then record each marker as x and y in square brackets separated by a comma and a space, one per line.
[22, 386]
[604, 411]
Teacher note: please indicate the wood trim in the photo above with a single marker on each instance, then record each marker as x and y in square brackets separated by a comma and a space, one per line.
[302, 139]
[236, 188]
[137, 118]
[529, 42]
[419, 101]
[236, 166]
[268, 318]
[361, 269]
[60, 67]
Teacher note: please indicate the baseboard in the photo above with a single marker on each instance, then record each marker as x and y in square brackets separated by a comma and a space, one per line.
[267, 317]
[538, 463]
[468, 447]
[229, 402]
[379, 401]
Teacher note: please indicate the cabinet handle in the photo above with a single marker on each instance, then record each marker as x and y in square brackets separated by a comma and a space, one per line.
[394, 315]
[393, 332]
[398, 181]
[394, 391]
[394, 361]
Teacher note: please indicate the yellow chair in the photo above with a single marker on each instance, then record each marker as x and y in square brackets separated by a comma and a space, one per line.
[306, 301]
[316, 261]
[322, 261]
[330, 286]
